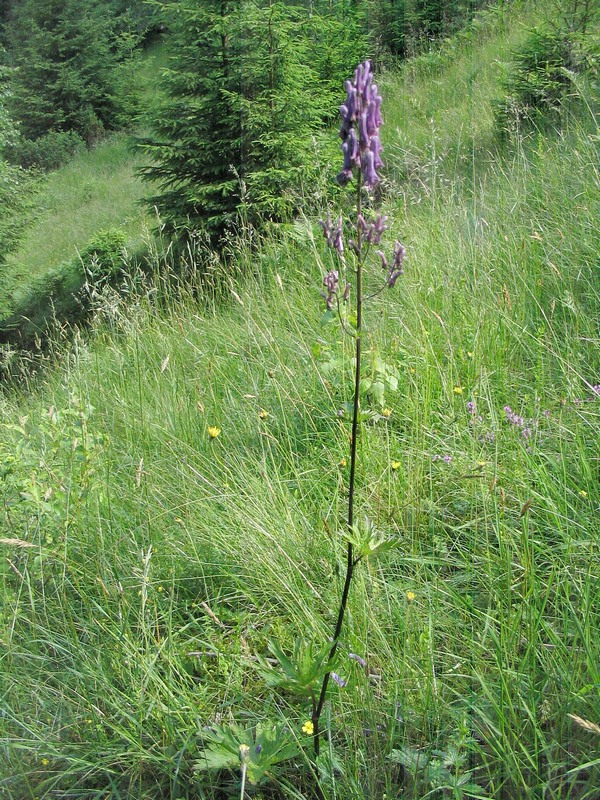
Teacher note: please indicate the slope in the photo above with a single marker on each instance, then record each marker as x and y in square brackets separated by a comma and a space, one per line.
[172, 492]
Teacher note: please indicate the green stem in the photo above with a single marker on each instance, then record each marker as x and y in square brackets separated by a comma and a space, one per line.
[350, 563]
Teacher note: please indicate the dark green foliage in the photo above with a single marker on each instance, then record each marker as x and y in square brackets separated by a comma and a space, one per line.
[68, 76]
[15, 186]
[59, 295]
[338, 35]
[48, 152]
[234, 134]
[15, 203]
[139, 18]
[540, 76]
[403, 27]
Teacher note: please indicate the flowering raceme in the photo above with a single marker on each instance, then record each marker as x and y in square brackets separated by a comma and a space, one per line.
[361, 147]
[361, 110]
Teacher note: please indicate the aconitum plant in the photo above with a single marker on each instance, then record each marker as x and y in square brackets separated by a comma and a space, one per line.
[361, 148]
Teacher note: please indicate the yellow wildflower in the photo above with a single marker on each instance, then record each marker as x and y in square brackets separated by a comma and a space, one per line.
[342, 462]
[395, 464]
[470, 354]
[308, 728]
[263, 414]
[45, 762]
[387, 412]
[213, 431]
[458, 390]
[160, 589]
[582, 493]
[410, 596]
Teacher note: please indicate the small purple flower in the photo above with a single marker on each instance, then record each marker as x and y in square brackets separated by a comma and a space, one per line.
[383, 257]
[471, 407]
[596, 389]
[375, 230]
[359, 659]
[368, 167]
[334, 235]
[258, 748]
[447, 459]
[330, 282]
[340, 681]
[396, 270]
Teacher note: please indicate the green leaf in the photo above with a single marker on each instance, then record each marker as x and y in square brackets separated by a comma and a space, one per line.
[367, 541]
[328, 317]
[261, 748]
[301, 671]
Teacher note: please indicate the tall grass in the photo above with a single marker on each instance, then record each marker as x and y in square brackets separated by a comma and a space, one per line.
[146, 565]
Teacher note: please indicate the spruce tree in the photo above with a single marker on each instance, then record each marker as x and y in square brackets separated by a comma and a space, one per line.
[67, 68]
[14, 183]
[235, 129]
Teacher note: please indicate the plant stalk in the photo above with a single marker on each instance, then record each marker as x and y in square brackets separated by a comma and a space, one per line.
[350, 563]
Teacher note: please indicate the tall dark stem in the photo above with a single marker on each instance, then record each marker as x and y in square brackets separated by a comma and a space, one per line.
[350, 563]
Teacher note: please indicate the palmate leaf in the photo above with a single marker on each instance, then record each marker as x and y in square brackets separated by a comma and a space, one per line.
[259, 748]
[301, 671]
[367, 541]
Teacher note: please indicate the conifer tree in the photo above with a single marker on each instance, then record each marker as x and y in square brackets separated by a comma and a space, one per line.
[66, 77]
[14, 190]
[235, 128]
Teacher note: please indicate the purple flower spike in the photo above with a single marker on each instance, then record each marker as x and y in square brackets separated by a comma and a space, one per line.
[361, 145]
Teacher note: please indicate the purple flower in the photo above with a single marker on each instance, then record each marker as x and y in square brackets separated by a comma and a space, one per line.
[368, 167]
[471, 407]
[396, 269]
[383, 257]
[340, 681]
[330, 282]
[375, 230]
[359, 659]
[596, 388]
[362, 112]
[333, 235]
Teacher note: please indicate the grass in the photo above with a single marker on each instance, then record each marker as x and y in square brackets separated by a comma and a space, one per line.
[148, 565]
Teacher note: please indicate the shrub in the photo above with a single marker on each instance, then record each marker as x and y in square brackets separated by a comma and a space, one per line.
[540, 76]
[48, 152]
[102, 259]
[59, 294]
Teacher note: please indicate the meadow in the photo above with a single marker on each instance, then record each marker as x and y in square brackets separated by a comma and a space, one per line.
[174, 485]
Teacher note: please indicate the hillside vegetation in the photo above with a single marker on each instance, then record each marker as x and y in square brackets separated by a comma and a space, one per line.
[173, 487]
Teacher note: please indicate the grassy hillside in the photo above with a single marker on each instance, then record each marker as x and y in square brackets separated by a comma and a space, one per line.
[96, 191]
[147, 564]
